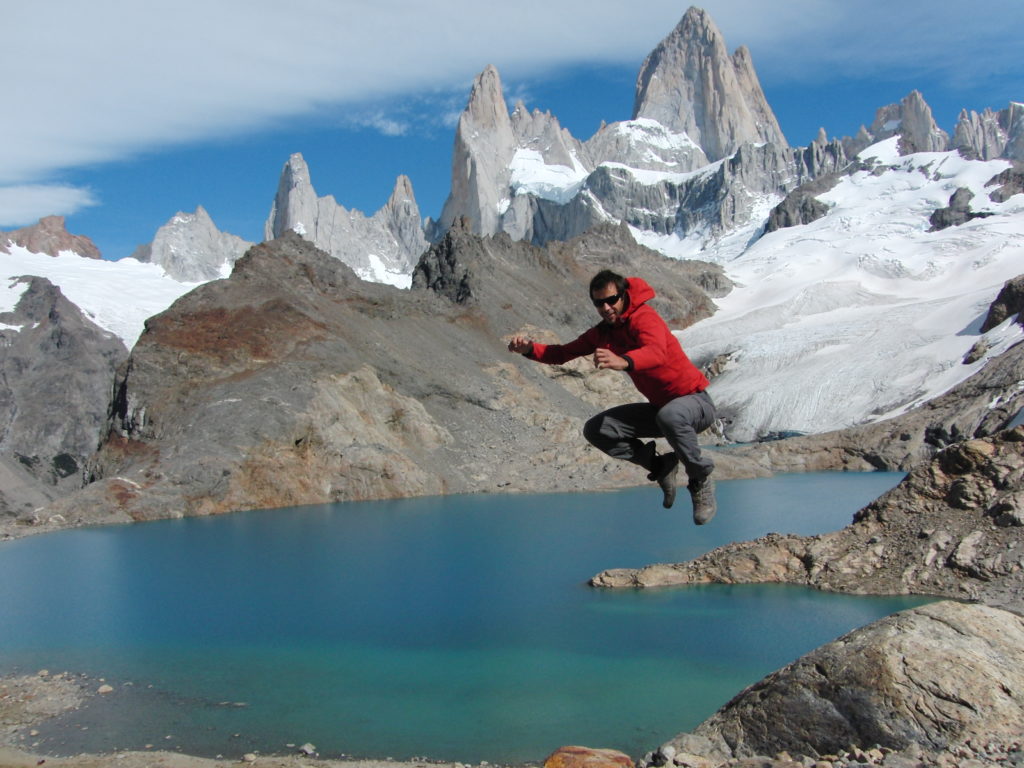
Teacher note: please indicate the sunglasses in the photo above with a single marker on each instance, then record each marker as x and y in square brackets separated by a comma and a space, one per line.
[609, 300]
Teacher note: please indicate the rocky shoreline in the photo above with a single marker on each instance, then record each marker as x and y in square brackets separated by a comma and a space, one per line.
[28, 701]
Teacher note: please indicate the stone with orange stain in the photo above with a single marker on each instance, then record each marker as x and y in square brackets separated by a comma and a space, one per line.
[587, 757]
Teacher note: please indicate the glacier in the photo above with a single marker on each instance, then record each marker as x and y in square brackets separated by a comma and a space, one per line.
[864, 313]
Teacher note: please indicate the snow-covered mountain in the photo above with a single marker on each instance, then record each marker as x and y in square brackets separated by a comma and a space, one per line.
[116, 295]
[866, 311]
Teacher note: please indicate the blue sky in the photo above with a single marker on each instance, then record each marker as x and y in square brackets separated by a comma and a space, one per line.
[120, 115]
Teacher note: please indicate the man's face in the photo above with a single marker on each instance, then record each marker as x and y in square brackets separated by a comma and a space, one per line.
[609, 303]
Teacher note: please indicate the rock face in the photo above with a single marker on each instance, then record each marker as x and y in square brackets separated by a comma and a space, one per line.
[1009, 303]
[484, 146]
[952, 527]
[191, 249]
[56, 370]
[383, 247]
[691, 85]
[294, 382]
[940, 679]
[49, 236]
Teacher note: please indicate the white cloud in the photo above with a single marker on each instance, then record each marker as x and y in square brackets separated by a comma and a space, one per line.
[27, 203]
[91, 82]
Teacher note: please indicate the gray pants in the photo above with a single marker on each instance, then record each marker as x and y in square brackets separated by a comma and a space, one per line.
[618, 431]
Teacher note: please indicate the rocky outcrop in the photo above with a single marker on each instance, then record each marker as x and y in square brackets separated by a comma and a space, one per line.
[50, 236]
[191, 249]
[1007, 183]
[691, 85]
[801, 206]
[294, 382]
[1009, 303]
[939, 684]
[957, 212]
[56, 370]
[382, 248]
[952, 527]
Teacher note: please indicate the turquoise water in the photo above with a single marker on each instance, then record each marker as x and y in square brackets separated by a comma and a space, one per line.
[455, 628]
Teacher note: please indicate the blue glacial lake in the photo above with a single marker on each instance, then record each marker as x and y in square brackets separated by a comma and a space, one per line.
[456, 628]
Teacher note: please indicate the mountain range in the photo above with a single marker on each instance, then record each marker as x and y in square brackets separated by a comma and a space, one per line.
[841, 284]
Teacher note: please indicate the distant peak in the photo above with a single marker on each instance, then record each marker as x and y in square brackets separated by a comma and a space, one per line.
[402, 191]
[50, 236]
[690, 84]
[486, 101]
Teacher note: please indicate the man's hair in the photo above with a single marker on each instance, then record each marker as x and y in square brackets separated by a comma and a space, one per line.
[605, 276]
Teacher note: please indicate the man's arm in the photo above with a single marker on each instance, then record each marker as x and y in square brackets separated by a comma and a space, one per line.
[553, 354]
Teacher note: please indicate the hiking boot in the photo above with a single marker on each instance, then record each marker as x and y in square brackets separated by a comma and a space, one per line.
[702, 492]
[664, 474]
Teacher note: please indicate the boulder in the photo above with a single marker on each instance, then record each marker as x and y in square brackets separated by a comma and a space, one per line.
[586, 757]
[941, 679]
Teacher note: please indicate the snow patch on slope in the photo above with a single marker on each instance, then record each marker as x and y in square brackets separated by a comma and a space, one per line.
[531, 175]
[117, 295]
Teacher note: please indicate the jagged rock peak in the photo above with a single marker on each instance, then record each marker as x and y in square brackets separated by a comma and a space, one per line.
[402, 191]
[991, 134]
[690, 84]
[484, 146]
[912, 121]
[381, 248]
[191, 249]
[486, 106]
[295, 197]
[50, 236]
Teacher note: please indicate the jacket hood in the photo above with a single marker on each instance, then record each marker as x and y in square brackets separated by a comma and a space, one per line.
[639, 292]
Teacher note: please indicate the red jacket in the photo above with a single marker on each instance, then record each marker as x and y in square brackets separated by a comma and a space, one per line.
[660, 369]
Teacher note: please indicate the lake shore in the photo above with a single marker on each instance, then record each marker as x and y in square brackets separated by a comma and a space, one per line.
[27, 701]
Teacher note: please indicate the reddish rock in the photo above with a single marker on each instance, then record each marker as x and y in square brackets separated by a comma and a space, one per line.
[50, 236]
[585, 757]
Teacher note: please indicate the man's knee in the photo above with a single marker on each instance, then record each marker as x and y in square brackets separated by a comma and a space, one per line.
[685, 413]
[592, 429]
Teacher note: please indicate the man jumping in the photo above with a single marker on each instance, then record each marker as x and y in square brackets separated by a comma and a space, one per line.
[632, 337]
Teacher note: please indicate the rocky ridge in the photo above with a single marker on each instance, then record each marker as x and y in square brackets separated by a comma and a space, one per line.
[294, 382]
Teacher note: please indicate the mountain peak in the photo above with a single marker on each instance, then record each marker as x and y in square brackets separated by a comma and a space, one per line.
[484, 145]
[912, 121]
[50, 236]
[691, 85]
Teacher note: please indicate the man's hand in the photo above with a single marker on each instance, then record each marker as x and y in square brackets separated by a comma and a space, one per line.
[605, 358]
[520, 345]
